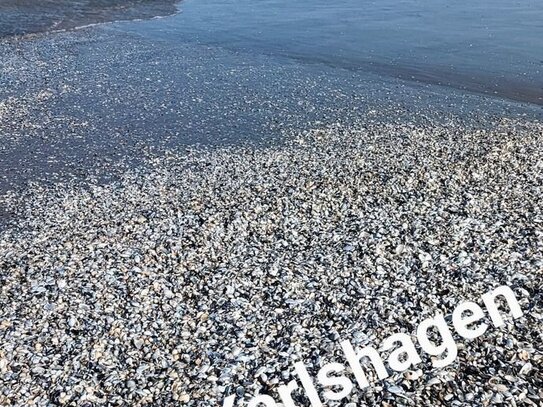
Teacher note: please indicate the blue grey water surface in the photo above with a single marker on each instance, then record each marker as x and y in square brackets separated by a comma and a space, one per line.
[493, 47]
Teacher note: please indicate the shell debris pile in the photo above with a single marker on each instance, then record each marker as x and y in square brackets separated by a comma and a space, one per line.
[211, 272]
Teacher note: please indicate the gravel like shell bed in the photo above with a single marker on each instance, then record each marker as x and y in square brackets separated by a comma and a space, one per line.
[211, 272]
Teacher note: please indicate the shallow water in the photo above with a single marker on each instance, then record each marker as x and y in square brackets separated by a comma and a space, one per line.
[493, 47]
[91, 103]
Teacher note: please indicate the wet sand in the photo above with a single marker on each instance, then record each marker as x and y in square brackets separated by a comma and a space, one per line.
[19, 17]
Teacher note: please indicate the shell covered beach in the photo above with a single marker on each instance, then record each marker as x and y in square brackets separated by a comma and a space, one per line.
[190, 206]
[211, 272]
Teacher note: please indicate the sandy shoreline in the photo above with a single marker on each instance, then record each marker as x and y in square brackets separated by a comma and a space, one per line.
[210, 272]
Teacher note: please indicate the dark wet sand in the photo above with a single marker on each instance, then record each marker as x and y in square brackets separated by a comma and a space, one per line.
[19, 17]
